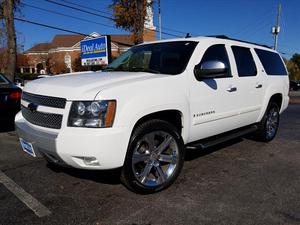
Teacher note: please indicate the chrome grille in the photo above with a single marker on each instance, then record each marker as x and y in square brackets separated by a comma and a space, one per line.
[43, 119]
[44, 100]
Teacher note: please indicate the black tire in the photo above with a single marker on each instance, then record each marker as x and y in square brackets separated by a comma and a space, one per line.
[268, 126]
[141, 157]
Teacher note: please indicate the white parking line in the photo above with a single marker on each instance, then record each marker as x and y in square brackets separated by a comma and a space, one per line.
[39, 209]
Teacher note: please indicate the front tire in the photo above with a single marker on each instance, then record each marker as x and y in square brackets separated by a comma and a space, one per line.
[154, 158]
[268, 126]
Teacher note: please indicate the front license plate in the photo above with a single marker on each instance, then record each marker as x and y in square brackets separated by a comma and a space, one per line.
[27, 147]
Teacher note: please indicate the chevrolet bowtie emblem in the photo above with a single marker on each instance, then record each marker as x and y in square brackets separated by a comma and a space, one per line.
[32, 107]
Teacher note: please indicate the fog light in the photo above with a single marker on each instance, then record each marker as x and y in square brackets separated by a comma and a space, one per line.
[89, 161]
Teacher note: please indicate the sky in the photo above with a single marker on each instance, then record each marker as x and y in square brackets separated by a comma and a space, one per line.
[240, 19]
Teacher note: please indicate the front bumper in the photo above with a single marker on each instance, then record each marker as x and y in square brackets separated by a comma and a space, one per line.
[70, 145]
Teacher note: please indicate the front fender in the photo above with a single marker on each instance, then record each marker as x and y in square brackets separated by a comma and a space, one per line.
[138, 107]
[138, 99]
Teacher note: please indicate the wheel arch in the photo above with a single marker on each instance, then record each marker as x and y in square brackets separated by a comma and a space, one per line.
[173, 116]
[276, 97]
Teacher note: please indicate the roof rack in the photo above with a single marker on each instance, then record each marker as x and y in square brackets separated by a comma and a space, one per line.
[248, 42]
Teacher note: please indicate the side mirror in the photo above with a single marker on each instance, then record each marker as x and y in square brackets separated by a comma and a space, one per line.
[210, 69]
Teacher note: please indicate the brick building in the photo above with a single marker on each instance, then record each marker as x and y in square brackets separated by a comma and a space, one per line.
[49, 57]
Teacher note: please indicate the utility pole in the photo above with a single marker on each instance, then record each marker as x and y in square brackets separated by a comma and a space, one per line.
[159, 19]
[276, 29]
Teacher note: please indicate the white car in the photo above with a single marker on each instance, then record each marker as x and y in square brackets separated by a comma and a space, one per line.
[152, 103]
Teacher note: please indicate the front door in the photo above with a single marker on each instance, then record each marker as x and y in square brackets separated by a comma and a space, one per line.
[214, 105]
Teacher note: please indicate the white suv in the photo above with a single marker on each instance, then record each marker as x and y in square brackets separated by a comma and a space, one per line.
[151, 104]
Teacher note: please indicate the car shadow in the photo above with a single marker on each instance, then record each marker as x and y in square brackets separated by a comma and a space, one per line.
[113, 176]
[100, 176]
[6, 126]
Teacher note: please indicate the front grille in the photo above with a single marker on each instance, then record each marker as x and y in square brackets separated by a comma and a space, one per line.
[44, 100]
[43, 119]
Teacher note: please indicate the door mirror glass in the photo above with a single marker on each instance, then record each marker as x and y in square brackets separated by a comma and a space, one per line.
[210, 69]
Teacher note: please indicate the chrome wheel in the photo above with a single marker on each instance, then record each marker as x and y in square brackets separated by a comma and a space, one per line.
[272, 123]
[155, 158]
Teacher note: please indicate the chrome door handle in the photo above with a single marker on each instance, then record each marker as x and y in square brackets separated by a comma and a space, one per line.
[258, 86]
[231, 89]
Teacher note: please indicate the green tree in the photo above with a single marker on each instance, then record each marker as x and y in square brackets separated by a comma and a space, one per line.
[130, 15]
[7, 10]
[296, 59]
[293, 68]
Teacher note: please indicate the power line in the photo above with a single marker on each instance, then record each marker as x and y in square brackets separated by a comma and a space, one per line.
[78, 9]
[65, 15]
[251, 26]
[96, 10]
[83, 6]
[62, 29]
[177, 31]
[51, 27]
[99, 15]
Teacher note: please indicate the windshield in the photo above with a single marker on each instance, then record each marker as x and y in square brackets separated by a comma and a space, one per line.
[165, 58]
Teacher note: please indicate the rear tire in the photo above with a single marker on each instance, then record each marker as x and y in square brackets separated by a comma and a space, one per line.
[268, 126]
[154, 157]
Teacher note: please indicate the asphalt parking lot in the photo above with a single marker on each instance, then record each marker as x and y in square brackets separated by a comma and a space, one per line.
[238, 182]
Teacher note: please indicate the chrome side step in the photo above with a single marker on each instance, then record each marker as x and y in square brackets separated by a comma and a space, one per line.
[211, 141]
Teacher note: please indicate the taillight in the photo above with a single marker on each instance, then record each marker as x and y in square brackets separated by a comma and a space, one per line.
[16, 95]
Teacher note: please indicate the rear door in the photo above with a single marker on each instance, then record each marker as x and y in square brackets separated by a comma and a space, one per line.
[249, 83]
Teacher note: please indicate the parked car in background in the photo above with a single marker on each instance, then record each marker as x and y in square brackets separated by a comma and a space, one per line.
[10, 97]
[295, 85]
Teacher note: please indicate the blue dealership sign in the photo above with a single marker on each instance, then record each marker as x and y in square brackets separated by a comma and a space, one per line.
[95, 51]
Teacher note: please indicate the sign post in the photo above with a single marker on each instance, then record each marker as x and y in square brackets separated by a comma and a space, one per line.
[68, 62]
[96, 51]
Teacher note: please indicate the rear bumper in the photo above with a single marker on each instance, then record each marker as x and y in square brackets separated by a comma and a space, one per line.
[69, 146]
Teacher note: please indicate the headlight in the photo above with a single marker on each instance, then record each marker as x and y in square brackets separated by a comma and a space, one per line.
[92, 113]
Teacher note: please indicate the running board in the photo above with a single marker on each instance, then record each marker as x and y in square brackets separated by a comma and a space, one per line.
[208, 142]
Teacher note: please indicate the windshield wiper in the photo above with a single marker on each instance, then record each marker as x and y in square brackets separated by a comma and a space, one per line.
[108, 69]
[141, 69]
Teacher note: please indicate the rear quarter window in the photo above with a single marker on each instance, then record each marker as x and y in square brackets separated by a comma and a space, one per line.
[271, 62]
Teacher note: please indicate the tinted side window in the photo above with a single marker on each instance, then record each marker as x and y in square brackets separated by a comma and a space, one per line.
[217, 52]
[271, 62]
[244, 61]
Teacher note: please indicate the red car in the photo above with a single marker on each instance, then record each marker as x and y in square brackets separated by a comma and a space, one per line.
[10, 98]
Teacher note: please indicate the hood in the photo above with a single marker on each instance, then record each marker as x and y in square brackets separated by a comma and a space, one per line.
[83, 86]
